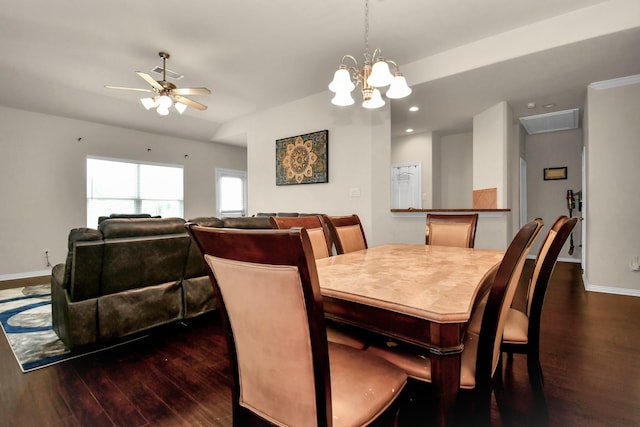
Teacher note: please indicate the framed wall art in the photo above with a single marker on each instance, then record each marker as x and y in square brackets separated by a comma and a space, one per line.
[303, 159]
[555, 173]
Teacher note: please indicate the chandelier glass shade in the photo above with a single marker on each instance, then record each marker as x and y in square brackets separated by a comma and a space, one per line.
[374, 75]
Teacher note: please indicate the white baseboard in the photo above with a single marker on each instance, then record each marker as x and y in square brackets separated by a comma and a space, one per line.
[610, 289]
[574, 260]
[26, 275]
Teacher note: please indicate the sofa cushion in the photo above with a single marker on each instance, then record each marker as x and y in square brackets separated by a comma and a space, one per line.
[137, 227]
[207, 221]
[247, 222]
[135, 310]
[78, 235]
[138, 262]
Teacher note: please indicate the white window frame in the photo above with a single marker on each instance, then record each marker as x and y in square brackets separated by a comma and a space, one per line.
[233, 173]
[137, 201]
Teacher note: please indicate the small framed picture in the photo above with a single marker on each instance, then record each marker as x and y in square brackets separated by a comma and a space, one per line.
[555, 173]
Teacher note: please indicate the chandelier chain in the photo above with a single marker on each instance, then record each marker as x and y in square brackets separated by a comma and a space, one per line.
[371, 77]
[367, 55]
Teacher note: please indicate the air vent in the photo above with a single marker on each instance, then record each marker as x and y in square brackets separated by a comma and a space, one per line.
[551, 122]
[171, 74]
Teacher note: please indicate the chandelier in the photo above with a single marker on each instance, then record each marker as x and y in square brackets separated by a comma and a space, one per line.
[375, 74]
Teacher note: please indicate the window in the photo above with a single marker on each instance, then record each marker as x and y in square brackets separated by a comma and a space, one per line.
[120, 186]
[231, 192]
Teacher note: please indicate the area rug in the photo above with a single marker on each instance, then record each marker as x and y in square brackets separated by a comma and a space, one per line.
[25, 316]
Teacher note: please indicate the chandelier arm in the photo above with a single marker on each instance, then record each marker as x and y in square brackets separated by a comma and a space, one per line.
[350, 57]
[376, 53]
[394, 64]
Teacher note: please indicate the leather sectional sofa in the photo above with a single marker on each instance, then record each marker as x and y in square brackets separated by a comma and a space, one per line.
[132, 274]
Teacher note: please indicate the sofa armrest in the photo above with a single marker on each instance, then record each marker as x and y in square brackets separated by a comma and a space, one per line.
[57, 276]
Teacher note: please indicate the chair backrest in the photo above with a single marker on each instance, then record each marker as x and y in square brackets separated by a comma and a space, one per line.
[544, 266]
[267, 287]
[316, 228]
[347, 232]
[499, 301]
[451, 230]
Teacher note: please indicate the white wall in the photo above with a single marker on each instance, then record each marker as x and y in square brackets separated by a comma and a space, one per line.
[359, 158]
[613, 175]
[456, 171]
[42, 179]
[547, 199]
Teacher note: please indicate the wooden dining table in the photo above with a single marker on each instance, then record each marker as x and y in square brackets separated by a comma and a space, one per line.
[418, 294]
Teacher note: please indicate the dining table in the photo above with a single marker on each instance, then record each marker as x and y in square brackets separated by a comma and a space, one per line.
[415, 293]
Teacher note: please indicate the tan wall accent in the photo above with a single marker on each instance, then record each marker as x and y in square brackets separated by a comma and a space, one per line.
[485, 199]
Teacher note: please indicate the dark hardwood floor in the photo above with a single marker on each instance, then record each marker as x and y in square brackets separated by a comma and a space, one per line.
[179, 374]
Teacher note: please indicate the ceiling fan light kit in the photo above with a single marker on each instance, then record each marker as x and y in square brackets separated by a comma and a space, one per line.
[374, 75]
[167, 94]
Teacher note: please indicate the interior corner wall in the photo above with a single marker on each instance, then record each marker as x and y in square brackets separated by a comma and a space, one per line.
[349, 188]
[490, 145]
[490, 154]
[612, 204]
[43, 185]
[359, 165]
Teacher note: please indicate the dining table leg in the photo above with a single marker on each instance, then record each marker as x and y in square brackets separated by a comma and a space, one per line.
[445, 368]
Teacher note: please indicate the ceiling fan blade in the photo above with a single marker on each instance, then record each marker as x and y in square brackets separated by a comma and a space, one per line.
[192, 91]
[190, 102]
[129, 88]
[150, 80]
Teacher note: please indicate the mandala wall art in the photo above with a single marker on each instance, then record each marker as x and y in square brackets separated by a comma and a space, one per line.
[303, 159]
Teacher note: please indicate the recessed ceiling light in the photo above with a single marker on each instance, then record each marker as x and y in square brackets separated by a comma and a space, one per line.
[414, 108]
[531, 105]
[409, 130]
[549, 105]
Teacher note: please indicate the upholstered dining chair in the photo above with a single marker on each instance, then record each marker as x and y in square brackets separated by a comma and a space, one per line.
[481, 354]
[451, 230]
[284, 370]
[522, 329]
[347, 232]
[321, 245]
[316, 228]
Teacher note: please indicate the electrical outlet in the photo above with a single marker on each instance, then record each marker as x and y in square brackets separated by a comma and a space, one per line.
[634, 265]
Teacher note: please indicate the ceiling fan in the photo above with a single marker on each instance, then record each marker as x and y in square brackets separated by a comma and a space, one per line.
[166, 93]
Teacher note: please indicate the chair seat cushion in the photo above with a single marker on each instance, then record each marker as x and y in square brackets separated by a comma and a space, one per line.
[417, 363]
[363, 381]
[516, 327]
[337, 335]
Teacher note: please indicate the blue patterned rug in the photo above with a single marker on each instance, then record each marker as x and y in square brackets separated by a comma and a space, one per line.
[25, 316]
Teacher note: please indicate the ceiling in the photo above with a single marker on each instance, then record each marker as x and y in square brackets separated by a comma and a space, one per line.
[58, 56]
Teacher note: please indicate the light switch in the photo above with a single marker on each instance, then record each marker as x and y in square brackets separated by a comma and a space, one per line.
[354, 192]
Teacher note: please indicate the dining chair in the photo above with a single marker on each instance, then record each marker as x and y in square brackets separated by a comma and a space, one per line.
[522, 329]
[284, 370]
[316, 229]
[481, 354]
[451, 230]
[321, 244]
[347, 233]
